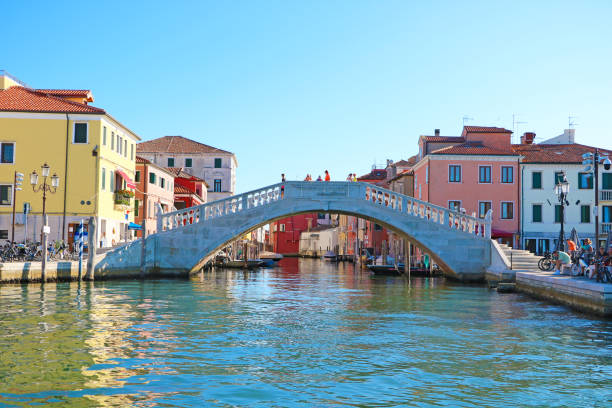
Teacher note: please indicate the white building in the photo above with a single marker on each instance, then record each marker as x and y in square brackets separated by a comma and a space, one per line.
[215, 166]
[319, 240]
[541, 167]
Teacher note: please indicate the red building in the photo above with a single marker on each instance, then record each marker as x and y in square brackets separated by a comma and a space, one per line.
[189, 190]
[285, 233]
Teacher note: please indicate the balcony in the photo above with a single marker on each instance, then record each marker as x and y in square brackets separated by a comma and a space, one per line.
[123, 200]
[605, 195]
[605, 227]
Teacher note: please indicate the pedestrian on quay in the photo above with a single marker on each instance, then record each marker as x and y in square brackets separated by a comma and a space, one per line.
[560, 257]
[327, 176]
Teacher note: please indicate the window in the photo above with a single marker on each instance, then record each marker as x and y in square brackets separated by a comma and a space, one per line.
[111, 177]
[80, 133]
[536, 180]
[124, 148]
[507, 174]
[585, 214]
[8, 153]
[170, 161]
[3, 234]
[131, 151]
[585, 181]
[217, 163]
[112, 140]
[558, 213]
[454, 205]
[217, 186]
[483, 208]
[558, 177]
[606, 213]
[281, 227]
[188, 162]
[454, 174]
[137, 176]
[104, 135]
[484, 174]
[103, 178]
[543, 246]
[536, 213]
[162, 182]
[377, 227]
[152, 178]
[427, 175]
[606, 181]
[119, 143]
[136, 204]
[507, 211]
[6, 194]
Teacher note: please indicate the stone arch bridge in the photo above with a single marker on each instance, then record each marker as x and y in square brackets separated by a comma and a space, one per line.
[188, 238]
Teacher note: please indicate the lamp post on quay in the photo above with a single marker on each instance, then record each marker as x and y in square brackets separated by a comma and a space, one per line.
[562, 190]
[45, 188]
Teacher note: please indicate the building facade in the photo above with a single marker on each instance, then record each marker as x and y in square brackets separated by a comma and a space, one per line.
[215, 166]
[91, 152]
[154, 185]
[542, 166]
[189, 190]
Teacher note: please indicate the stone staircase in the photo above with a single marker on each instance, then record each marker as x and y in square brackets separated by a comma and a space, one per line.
[521, 260]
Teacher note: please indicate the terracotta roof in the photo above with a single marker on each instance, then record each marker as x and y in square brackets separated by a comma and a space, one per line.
[405, 163]
[375, 174]
[79, 93]
[474, 148]
[449, 139]
[178, 189]
[176, 144]
[554, 153]
[485, 129]
[408, 172]
[179, 172]
[20, 99]
[142, 160]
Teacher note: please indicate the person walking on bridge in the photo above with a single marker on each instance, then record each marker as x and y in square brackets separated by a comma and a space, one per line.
[283, 180]
[327, 176]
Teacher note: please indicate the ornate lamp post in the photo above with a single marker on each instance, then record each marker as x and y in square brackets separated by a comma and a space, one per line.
[45, 188]
[562, 190]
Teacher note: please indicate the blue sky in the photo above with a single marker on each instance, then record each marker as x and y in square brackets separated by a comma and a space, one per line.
[300, 87]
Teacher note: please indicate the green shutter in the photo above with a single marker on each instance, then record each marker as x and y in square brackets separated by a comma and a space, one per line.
[80, 133]
[537, 213]
[217, 163]
[606, 181]
[536, 180]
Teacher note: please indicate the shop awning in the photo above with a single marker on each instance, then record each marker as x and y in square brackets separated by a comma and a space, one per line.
[128, 181]
[134, 226]
[496, 233]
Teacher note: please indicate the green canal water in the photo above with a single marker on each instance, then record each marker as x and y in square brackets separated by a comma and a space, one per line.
[303, 334]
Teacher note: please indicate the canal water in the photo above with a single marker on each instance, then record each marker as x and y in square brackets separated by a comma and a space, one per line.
[304, 334]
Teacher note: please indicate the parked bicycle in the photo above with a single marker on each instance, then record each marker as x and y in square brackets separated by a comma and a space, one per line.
[546, 263]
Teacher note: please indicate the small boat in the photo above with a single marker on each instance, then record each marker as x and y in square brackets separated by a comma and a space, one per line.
[239, 263]
[270, 255]
[330, 256]
[267, 262]
[387, 270]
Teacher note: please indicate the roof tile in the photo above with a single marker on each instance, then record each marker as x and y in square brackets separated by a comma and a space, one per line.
[20, 99]
[554, 153]
[176, 144]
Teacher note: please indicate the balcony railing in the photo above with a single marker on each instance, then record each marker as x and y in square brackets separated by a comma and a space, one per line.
[605, 227]
[123, 199]
[605, 195]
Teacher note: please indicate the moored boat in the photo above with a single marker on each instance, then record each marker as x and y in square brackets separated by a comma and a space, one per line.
[270, 255]
[330, 256]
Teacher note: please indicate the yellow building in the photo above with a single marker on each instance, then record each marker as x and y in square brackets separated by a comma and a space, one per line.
[92, 153]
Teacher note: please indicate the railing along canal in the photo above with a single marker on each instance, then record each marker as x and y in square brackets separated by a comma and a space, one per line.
[330, 191]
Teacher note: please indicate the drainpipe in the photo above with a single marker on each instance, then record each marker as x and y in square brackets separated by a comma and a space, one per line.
[522, 193]
[66, 177]
[520, 207]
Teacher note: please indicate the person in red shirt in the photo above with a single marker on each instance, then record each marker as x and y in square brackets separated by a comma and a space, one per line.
[327, 177]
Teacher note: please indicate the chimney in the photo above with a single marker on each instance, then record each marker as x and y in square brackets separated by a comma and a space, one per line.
[527, 138]
[437, 132]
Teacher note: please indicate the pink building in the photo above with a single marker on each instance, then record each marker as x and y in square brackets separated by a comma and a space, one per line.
[474, 172]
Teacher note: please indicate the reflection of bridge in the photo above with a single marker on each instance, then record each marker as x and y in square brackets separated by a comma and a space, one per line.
[188, 238]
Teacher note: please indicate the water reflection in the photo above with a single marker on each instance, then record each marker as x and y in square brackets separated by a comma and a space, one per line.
[306, 333]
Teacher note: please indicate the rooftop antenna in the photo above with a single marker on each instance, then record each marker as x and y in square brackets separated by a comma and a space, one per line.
[466, 118]
[570, 121]
[515, 127]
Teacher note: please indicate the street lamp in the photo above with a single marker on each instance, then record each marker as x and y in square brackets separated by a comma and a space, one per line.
[562, 190]
[594, 159]
[45, 188]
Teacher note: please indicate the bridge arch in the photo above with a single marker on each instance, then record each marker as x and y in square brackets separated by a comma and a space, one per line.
[188, 238]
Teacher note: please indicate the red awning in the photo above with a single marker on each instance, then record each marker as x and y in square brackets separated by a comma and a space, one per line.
[128, 181]
[495, 233]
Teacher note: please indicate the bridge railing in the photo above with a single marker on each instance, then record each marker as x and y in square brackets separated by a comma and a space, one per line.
[338, 190]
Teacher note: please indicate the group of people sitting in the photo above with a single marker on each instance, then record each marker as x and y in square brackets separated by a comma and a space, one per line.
[309, 177]
[583, 260]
